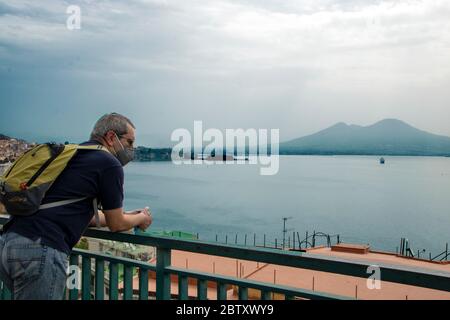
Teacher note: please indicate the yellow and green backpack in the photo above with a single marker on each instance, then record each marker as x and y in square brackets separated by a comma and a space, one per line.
[24, 184]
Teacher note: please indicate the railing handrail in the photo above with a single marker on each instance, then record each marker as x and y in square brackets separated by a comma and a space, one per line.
[420, 277]
[217, 278]
[258, 285]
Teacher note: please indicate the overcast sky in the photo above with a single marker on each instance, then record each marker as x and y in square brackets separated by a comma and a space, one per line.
[299, 66]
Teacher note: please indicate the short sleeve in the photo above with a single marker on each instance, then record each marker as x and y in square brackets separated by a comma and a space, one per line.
[111, 188]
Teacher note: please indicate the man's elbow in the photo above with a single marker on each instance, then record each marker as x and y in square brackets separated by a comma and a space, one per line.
[119, 227]
[114, 228]
[115, 220]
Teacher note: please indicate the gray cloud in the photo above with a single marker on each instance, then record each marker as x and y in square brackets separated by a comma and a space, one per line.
[297, 66]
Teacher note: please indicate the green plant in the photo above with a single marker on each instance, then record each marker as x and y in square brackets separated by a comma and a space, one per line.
[82, 244]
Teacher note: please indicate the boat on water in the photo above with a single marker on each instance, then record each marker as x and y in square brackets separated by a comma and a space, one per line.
[240, 158]
[224, 157]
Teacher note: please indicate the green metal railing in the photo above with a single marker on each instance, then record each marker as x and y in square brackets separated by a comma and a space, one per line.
[94, 267]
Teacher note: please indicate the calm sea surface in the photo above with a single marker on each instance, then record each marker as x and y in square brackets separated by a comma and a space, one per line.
[354, 196]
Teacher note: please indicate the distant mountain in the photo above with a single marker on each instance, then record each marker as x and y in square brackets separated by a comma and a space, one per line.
[386, 137]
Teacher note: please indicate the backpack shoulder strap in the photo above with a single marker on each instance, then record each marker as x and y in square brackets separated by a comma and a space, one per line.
[64, 202]
[59, 203]
[92, 147]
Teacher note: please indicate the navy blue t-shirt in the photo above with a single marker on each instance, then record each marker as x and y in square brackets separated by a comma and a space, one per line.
[90, 173]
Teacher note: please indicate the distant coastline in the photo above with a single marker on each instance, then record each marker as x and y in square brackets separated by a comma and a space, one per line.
[388, 137]
[375, 154]
[142, 154]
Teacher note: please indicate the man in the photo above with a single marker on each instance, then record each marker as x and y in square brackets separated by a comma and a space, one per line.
[34, 250]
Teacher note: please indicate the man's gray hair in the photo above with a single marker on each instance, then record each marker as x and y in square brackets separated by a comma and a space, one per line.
[111, 122]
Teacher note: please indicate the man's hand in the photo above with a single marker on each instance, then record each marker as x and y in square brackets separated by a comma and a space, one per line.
[147, 219]
[117, 220]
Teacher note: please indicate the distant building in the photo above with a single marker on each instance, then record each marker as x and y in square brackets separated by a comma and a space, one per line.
[11, 149]
[120, 249]
[150, 154]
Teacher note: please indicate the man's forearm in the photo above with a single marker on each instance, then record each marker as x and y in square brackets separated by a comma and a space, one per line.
[129, 221]
[118, 221]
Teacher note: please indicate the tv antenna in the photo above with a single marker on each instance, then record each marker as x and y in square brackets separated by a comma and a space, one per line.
[285, 230]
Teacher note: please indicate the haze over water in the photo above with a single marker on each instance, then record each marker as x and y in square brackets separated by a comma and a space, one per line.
[354, 196]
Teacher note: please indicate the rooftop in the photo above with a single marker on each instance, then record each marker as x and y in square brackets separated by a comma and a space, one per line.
[303, 278]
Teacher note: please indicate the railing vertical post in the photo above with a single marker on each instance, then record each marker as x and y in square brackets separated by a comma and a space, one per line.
[73, 291]
[128, 283]
[183, 293]
[143, 284]
[266, 295]
[221, 291]
[243, 293]
[99, 279]
[113, 281]
[163, 260]
[202, 289]
[86, 278]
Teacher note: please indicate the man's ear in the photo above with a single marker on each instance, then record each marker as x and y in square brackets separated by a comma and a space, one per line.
[109, 138]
